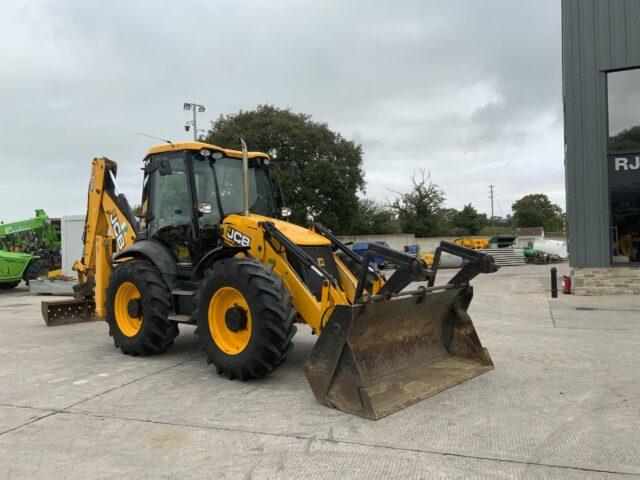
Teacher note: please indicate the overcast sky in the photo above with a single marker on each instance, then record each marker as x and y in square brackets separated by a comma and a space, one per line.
[470, 90]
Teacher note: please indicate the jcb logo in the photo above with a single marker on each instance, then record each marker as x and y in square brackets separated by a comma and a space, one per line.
[238, 238]
[118, 230]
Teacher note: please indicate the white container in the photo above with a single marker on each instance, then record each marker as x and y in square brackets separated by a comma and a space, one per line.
[551, 247]
[450, 261]
[71, 228]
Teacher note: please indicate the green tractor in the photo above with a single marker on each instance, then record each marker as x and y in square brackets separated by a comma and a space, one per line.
[29, 249]
[15, 267]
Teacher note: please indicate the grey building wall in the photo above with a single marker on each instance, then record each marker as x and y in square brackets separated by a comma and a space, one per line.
[597, 36]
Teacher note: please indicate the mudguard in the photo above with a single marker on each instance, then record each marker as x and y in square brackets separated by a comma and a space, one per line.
[219, 253]
[157, 254]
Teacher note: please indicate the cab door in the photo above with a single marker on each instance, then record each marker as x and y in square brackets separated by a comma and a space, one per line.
[170, 213]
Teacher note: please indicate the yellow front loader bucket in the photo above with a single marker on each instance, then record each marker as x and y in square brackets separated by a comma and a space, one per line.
[375, 358]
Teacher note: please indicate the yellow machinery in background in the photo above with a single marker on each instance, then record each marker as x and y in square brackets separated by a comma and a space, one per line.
[427, 258]
[474, 243]
[212, 250]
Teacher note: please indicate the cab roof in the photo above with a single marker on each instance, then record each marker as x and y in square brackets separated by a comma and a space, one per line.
[173, 147]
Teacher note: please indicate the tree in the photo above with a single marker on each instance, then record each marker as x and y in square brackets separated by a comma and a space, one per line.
[536, 210]
[628, 139]
[330, 166]
[469, 221]
[446, 223]
[372, 218]
[419, 210]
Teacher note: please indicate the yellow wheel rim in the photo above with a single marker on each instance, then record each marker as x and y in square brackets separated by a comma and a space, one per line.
[227, 305]
[128, 324]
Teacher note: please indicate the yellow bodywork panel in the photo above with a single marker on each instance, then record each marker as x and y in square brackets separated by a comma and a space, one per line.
[298, 235]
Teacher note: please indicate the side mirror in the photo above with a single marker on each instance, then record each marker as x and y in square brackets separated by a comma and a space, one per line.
[204, 207]
[285, 212]
[294, 171]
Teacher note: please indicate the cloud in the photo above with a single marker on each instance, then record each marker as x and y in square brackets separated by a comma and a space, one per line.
[468, 90]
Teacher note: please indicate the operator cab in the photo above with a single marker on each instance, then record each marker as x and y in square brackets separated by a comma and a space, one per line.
[190, 187]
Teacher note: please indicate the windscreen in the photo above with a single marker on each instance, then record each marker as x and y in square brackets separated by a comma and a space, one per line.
[220, 182]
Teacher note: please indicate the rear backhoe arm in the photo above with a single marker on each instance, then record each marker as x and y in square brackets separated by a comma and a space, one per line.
[109, 224]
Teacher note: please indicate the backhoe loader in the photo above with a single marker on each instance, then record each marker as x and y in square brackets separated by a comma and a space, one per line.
[211, 250]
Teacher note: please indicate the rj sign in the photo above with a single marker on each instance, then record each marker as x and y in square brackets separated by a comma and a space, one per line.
[624, 168]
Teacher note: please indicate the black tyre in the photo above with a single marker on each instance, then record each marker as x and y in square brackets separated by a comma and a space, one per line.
[36, 269]
[9, 285]
[138, 304]
[244, 318]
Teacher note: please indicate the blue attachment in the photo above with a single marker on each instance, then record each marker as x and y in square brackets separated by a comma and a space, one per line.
[360, 248]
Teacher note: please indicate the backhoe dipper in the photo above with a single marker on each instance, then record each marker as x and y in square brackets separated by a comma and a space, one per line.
[211, 251]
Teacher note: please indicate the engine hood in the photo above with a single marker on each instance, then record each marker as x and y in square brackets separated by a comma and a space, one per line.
[297, 234]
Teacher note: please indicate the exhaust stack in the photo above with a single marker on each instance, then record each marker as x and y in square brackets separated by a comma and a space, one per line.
[245, 176]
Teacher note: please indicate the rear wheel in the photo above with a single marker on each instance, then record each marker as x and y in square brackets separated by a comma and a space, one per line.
[138, 304]
[244, 318]
[9, 285]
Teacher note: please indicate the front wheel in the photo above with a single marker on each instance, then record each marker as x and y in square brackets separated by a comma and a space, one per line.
[244, 318]
[138, 304]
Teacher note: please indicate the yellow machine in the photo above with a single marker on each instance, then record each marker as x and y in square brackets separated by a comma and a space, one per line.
[475, 243]
[211, 250]
[427, 257]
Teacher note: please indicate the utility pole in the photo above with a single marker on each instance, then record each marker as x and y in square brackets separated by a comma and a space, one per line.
[492, 216]
[194, 107]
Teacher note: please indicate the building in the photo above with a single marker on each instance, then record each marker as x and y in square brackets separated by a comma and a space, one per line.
[601, 93]
[526, 236]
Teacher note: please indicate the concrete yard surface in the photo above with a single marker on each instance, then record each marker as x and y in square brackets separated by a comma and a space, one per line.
[562, 402]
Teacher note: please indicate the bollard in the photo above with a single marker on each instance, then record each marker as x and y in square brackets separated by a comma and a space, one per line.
[554, 282]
